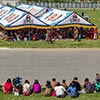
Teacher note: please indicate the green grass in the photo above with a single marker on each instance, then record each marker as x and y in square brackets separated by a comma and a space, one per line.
[84, 43]
[95, 96]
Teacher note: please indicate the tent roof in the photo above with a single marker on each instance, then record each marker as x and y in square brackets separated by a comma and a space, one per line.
[4, 10]
[33, 9]
[75, 20]
[61, 19]
[39, 17]
[20, 19]
[54, 16]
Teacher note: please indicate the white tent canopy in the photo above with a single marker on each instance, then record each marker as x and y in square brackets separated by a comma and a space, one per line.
[5, 10]
[16, 19]
[31, 16]
[33, 9]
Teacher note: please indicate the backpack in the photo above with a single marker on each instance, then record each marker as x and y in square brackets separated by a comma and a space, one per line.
[72, 91]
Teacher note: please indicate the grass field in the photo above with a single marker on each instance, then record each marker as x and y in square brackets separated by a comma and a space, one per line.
[84, 43]
[95, 96]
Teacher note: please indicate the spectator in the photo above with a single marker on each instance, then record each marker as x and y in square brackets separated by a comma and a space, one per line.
[77, 84]
[95, 36]
[76, 32]
[97, 77]
[27, 88]
[60, 91]
[7, 87]
[97, 86]
[46, 90]
[64, 84]
[53, 83]
[72, 90]
[36, 86]
[17, 86]
[88, 87]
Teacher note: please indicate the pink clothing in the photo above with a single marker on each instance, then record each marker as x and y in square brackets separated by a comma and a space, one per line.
[8, 87]
[36, 88]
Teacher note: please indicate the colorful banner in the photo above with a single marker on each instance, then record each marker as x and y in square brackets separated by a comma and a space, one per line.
[33, 9]
[75, 19]
[13, 16]
[54, 16]
[5, 10]
[16, 19]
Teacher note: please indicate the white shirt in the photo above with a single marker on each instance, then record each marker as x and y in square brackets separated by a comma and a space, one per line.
[26, 87]
[59, 90]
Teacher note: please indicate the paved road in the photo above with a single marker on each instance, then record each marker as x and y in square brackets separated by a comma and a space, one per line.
[44, 64]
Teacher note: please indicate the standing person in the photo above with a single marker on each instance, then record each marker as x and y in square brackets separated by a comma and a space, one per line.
[49, 36]
[76, 32]
[7, 87]
[60, 91]
[27, 88]
[36, 86]
[95, 34]
[77, 84]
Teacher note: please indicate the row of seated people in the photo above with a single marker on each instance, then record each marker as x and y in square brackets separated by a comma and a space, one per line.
[51, 88]
[43, 34]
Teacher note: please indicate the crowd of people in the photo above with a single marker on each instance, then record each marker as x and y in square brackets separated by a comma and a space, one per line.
[51, 88]
[51, 34]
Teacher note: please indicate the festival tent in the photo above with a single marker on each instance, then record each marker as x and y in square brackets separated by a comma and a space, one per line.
[4, 10]
[18, 19]
[62, 19]
[33, 9]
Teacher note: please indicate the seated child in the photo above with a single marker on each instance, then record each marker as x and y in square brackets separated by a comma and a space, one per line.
[27, 88]
[46, 90]
[17, 86]
[88, 87]
[7, 87]
[72, 90]
[60, 91]
[36, 86]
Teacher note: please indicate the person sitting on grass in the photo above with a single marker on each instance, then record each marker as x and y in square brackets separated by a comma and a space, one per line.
[7, 87]
[88, 87]
[64, 84]
[97, 86]
[97, 77]
[36, 86]
[53, 82]
[60, 91]
[77, 84]
[72, 90]
[17, 86]
[46, 90]
[27, 88]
